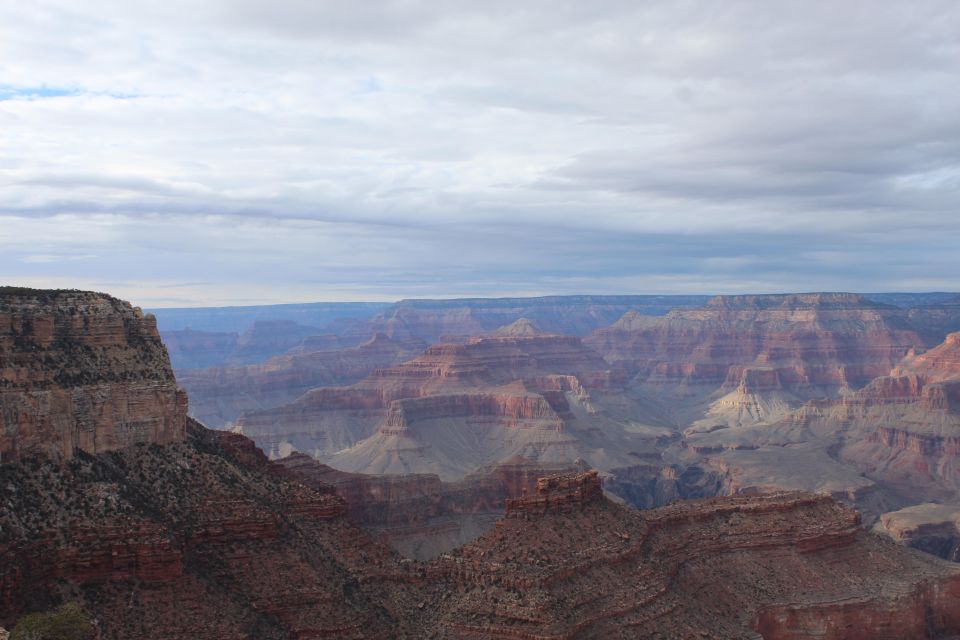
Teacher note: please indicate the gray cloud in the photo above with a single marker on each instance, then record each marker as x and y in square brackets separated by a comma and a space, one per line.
[303, 150]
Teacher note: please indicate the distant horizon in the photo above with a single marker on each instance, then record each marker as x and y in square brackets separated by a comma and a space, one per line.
[563, 295]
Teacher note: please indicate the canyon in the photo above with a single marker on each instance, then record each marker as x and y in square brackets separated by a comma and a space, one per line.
[481, 487]
[457, 406]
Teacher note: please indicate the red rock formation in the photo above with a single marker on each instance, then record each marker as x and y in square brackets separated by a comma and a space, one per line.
[902, 430]
[206, 540]
[82, 371]
[557, 494]
[936, 365]
[201, 539]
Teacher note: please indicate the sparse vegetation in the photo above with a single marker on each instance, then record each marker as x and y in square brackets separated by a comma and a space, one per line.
[68, 622]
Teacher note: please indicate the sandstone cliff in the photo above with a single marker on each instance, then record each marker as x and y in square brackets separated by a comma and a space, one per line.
[206, 539]
[190, 540]
[82, 372]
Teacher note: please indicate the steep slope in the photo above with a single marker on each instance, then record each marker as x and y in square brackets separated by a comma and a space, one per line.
[189, 540]
[892, 444]
[82, 371]
[903, 429]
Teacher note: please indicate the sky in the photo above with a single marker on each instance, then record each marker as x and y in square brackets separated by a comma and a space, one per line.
[218, 152]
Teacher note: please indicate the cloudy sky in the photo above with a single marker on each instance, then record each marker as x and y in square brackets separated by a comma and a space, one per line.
[210, 152]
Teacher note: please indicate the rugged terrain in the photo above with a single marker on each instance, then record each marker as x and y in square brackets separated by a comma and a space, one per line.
[206, 539]
[187, 532]
[745, 393]
[741, 360]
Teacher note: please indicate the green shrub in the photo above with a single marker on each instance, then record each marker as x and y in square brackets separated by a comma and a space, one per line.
[68, 622]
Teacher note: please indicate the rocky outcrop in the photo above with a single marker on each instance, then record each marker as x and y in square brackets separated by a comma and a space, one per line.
[558, 494]
[490, 361]
[82, 372]
[510, 411]
[900, 430]
[747, 360]
[206, 539]
[721, 568]
[930, 527]
[418, 514]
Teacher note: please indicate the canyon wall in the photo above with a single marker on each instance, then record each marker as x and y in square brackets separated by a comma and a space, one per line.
[812, 341]
[82, 371]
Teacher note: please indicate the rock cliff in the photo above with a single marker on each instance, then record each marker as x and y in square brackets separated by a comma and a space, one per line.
[82, 371]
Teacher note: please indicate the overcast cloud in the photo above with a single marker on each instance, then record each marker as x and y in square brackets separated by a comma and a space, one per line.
[244, 151]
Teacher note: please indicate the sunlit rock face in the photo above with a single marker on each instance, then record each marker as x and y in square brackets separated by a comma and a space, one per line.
[82, 371]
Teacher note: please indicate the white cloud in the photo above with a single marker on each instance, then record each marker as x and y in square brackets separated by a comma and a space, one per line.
[383, 149]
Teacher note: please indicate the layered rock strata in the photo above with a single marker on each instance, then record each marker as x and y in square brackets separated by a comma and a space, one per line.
[429, 320]
[449, 410]
[218, 396]
[82, 371]
[811, 342]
